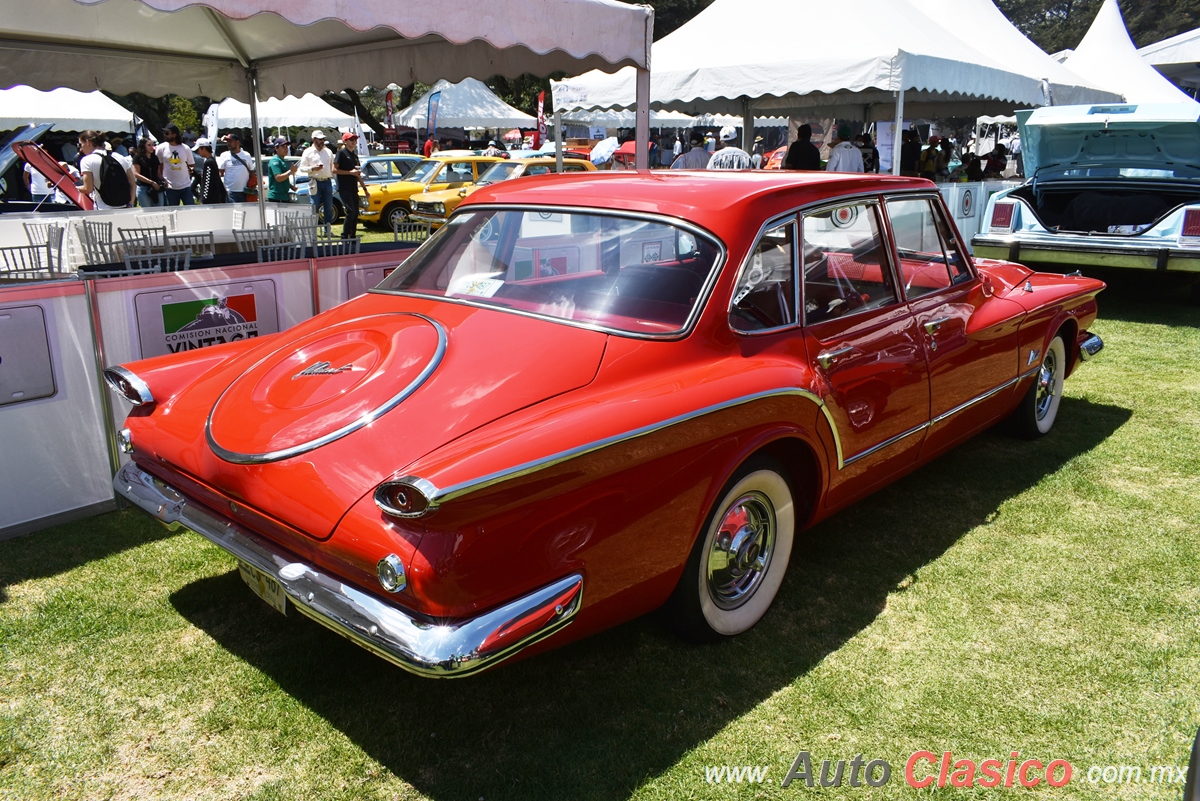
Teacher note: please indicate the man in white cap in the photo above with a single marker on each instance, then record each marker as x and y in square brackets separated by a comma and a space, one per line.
[209, 188]
[317, 161]
[730, 156]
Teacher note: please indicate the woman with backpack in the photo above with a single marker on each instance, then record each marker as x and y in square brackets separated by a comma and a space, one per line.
[107, 177]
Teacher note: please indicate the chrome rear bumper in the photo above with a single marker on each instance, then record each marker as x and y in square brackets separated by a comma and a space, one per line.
[439, 650]
[1090, 347]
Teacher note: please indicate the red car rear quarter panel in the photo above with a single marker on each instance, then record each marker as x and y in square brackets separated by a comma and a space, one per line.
[625, 513]
[470, 387]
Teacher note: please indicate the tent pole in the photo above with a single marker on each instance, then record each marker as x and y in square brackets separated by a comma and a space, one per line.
[641, 131]
[558, 147]
[747, 125]
[252, 79]
[896, 131]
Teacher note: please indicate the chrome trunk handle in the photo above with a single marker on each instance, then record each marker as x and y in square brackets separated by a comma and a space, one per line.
[827, 358]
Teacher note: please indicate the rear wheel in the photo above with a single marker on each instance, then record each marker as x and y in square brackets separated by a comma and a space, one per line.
[737, 563]
[338, 213]
[1039, 408]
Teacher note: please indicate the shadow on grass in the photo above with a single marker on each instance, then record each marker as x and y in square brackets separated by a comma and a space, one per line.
[1139, 296]
[597, 718]
[62, 548]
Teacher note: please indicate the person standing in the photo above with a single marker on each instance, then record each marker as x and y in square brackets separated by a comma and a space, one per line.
[317, 161]
[677, 149]
[146, 171]
[695, 159]
[844, 156]
[730, 156]
[430, 146]
[279, 173]
[803, 154]
[910, 153]
[101, 175]
[237, 170]
[175, 163]
[209, 188]
[39, 188]
[349, 178]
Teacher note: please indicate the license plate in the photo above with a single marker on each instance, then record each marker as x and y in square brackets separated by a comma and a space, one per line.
[264, 587]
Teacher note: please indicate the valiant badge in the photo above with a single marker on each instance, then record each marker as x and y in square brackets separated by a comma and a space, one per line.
[322, 368]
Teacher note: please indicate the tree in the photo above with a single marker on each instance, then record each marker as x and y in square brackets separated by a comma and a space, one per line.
[183, 113]
[1061, 24]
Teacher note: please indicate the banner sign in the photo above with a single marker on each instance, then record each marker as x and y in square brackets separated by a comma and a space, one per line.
[540, 135]
[431, 113]
[187, 318]
[387, 102]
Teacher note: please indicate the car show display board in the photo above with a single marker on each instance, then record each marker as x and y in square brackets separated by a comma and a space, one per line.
[61, 448]
[340, 278]
[56, 465]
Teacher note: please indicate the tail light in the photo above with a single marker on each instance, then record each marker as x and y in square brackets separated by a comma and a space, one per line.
[408, 497]
[1002, 216]
[1191, 225]
[128, 386]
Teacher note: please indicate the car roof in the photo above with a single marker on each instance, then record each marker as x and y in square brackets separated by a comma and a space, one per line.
[731, 204]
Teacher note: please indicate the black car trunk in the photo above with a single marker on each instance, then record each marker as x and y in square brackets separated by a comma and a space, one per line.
[1105, 209]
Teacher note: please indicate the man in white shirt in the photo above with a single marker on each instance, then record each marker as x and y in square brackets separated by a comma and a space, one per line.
[237, 169]
[677, 150]
[36, 183]
[317, 161]
[91, 167]
[176, 163]
[844, 156]
[730, 156]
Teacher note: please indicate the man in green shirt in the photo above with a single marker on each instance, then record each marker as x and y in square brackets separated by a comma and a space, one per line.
[279, 174]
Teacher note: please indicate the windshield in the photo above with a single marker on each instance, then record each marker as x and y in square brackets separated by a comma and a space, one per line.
[625, 274]
[422, 171]
[498, 172]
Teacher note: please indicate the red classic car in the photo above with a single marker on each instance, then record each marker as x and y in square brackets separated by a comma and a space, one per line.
[590, 396]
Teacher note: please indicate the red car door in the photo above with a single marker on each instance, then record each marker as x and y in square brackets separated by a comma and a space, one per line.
[864, 345]
[969, 338]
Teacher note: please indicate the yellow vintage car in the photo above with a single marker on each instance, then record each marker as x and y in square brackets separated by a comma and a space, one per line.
[435, 207]
[388, 204]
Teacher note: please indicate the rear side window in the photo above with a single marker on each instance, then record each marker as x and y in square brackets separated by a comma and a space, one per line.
[846, 268]
[765, 295]
[929, 257]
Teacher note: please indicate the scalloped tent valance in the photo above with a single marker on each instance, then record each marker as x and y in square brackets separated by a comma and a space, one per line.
[296, 46]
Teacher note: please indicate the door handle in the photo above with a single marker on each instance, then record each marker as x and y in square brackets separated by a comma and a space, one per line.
[933, 326]
[827, 358]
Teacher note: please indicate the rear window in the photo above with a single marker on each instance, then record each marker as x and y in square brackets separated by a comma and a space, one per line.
[625, 274]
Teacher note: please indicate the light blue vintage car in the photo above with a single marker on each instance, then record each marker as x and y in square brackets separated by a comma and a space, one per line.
[1109, 186]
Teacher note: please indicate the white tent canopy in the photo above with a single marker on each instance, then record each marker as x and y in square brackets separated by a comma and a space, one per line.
[305, 112]
[204, 47]
[984, 25]
[1177, 58]
[466, 104]
[719, 120]
[770, 55]
[1107, 56]
[68, 109]
[612, 118]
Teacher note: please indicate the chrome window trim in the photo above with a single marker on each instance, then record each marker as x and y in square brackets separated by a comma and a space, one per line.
[886, 243]
[233, 457]
[962, 251]
[138, 385]
[714, 273]
[439, 496]
[774, 222]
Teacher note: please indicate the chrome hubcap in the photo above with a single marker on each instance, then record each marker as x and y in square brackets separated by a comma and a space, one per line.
[741, 550]
[1046, 388]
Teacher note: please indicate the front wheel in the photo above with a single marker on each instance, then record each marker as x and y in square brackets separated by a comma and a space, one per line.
[396, 215]
[1039, 408]
[739, 558]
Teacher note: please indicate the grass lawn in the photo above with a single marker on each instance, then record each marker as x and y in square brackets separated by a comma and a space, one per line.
[1012, 596]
